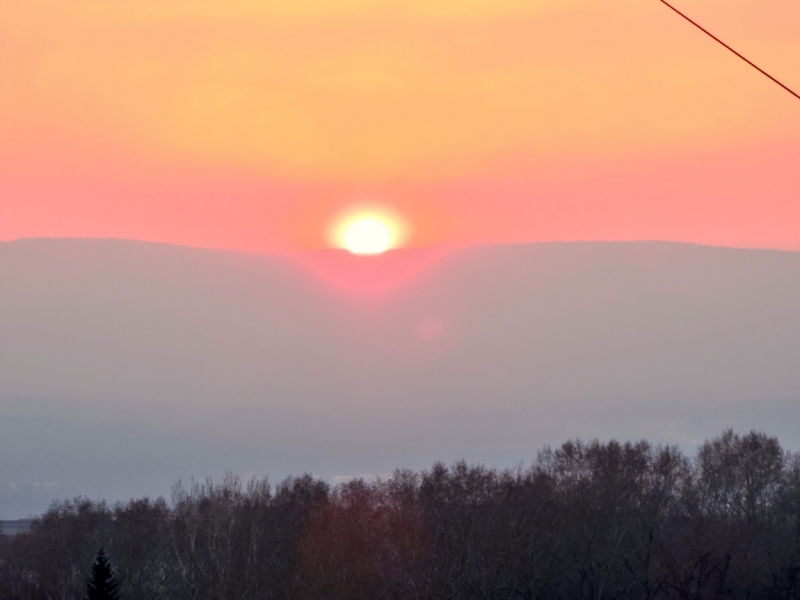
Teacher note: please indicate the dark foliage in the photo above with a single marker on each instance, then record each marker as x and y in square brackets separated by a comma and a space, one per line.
[102, 584]
[597, 520]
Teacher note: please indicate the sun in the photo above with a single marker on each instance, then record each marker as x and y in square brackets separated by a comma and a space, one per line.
[367, 235]
[368, 230]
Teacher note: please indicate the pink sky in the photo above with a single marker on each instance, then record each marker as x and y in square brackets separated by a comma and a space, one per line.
[247, 125]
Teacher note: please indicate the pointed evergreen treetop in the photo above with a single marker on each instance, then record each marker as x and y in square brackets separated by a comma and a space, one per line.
[102, 585]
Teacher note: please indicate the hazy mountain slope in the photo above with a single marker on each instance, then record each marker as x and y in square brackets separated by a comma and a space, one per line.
[125, 365]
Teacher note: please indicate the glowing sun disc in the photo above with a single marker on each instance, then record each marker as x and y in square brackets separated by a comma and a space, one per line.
[367, 236]
[368, 230]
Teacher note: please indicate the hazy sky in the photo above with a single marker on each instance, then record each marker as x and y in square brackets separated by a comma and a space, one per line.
[246, 124]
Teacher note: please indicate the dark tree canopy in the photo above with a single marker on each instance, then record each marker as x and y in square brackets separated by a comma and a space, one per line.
[102, 585]
[585, 521]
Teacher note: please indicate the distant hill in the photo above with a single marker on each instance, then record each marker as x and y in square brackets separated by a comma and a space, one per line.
[126, 365]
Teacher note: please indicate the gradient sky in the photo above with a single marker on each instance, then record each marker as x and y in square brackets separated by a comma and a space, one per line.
[246, 125]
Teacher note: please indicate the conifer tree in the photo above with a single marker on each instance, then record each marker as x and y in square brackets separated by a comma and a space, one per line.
[102, 585]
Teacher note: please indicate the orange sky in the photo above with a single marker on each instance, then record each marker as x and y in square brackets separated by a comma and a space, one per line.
[247, 125]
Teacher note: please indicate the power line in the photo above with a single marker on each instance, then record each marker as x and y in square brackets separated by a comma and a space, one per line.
[715, 38]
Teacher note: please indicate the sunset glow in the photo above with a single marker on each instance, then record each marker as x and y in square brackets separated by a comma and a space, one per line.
[245, 125]
[368, 230]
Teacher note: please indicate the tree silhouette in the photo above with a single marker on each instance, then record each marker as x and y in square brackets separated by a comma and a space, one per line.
[102, 585]
[629, 521]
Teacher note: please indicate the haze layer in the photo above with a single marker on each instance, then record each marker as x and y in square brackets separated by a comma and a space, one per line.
[125, 366]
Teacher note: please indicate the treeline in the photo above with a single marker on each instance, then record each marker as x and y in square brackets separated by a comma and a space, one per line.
[596, 520]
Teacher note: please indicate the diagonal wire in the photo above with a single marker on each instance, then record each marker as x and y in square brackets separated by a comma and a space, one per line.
[715, 38]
